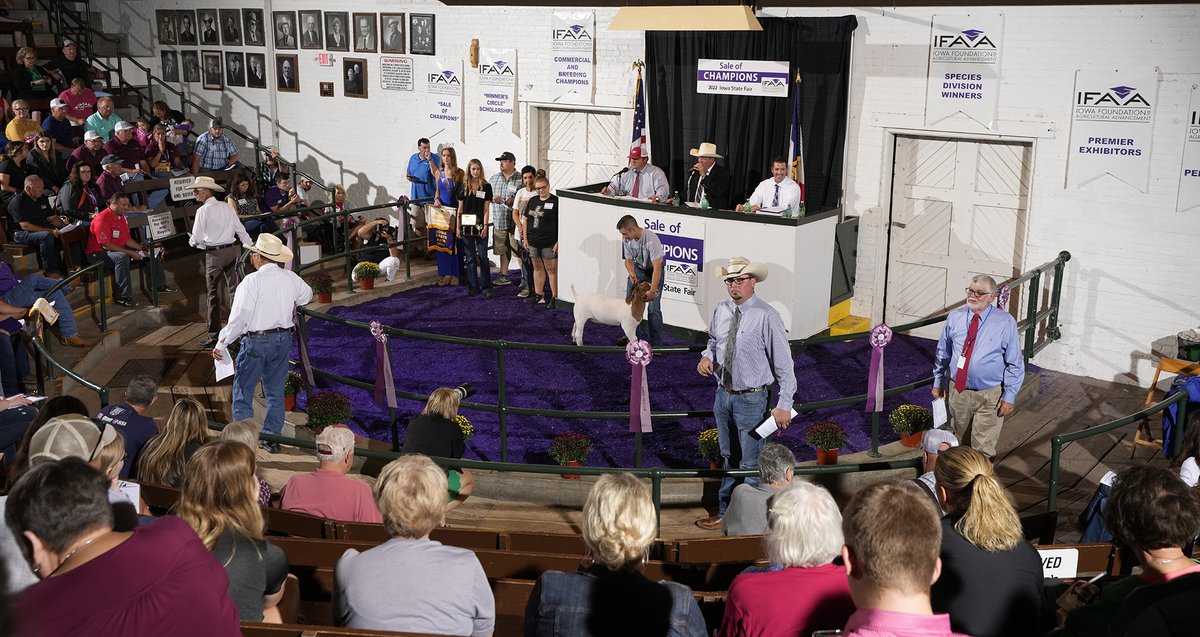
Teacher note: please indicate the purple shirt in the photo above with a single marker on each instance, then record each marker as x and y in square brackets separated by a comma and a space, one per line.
[872, 622]
[109, 185]
[131, 153]
[84, 155]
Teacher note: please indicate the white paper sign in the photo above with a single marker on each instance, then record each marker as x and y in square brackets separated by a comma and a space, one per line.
[443, 85]
[224, 367]
[180, 190]
[396, 73]
[497, 87]
[160, 225]
[1112, 121]
[964, 67]
[1060, 563]
[759, 78]
[1189, 173]
[572, 46]
[940, 415]
[768, 426]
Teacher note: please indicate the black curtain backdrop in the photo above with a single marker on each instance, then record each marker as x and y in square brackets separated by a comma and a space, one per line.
[750, 131]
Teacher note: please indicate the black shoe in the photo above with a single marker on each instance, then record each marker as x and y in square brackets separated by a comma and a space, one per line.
[124, 300]
[166, 289]
[472, 291]
[551, 304]
[267, 445]
[208, 343]
[533, 299]
[487, 293]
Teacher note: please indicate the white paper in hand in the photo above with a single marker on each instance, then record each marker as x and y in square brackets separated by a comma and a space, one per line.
[940, 416]
[225, 365]
[768, 426]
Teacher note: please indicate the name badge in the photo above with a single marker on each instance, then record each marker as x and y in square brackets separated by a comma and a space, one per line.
[116, 234]
[549, 206]
[962, 362]
[479, 193]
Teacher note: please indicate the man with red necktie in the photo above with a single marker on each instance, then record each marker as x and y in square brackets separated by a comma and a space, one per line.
[979, 367]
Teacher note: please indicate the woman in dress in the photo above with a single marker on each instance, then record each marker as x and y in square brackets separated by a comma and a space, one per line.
[449, 178]
[539, 229]
[475, 202]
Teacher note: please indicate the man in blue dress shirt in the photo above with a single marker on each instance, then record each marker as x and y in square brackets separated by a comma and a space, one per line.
[423, 180]
[748, 352]
[979, 367]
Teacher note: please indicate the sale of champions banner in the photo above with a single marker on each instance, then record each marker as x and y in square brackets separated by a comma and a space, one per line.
[1112, 125]
[964, 67]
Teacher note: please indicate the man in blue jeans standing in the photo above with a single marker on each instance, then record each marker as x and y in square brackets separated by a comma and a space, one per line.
[748, 352]
[261, 317]
[643, 254]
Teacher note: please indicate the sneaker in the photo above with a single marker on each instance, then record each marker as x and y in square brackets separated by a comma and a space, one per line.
[523, 293]
[166, 289]
[487, 293]
[533, 298]
[266, 445]
[541, 300]
[502, 280]
[124, 300]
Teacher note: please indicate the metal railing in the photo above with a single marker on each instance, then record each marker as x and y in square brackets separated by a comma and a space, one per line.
[41, 343]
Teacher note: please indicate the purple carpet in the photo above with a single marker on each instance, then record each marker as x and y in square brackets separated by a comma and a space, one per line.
[579, 382]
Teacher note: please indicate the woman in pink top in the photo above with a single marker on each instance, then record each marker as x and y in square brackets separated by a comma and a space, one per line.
[81, 101]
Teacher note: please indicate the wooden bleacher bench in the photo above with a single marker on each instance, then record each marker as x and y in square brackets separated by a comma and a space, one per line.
[256, 629]
[1096, 558]
[717, 550]
[296, 524]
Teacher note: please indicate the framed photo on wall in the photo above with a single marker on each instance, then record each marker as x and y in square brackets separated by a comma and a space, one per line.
[337, 31]
[256, 70]
[212, 69]
[187, 26]
[392, 33]
[354, 77]
[366, 40]
[170, 66]
[285, 29]
[209, 35]
[235, 68]
[252, 27]
[191, 66]
[421, 34]
[310, 30]
[166, 27]
[287, 73]
[231, 27]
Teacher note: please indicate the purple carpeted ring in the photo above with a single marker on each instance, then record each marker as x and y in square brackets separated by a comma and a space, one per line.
[579, 382]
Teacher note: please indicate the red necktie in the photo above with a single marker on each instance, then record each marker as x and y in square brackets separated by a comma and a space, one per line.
[637, 184]
[960, 379]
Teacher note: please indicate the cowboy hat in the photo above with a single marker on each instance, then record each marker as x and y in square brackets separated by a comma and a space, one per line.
[707, 149]
[739, 266]
[270, 247]
[206, 183]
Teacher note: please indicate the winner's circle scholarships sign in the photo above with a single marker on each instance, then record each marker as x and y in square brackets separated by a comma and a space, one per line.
[1112, 125]
[964, 67]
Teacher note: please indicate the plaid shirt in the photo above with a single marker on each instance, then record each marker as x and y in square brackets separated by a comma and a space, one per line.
[214, 152]
[504, 188]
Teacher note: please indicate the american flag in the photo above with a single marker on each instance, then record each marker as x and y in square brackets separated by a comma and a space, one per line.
[639, 119]
[797, 145]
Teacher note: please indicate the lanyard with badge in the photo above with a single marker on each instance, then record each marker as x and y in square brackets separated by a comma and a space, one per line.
[968, 347]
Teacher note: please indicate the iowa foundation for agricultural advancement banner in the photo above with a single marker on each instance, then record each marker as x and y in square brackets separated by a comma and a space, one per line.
[1112, 122]
[964, 67]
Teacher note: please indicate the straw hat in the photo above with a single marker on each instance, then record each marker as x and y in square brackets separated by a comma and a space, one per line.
[741, 265]
[707, 149]
[270, 247]
[207, 183]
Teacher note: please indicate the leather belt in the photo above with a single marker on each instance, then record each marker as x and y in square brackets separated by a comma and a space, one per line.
[273, 330]
[227, 245]
[744, 391]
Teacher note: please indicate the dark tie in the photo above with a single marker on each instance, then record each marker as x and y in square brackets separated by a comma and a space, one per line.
[960, 379]
[775, 202]
[637, 184]
[730, 345]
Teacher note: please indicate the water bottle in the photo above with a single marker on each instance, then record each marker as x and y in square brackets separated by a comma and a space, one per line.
[800, 210]
[676, 200]
[704, 201]
[788, 213]
[747, 207]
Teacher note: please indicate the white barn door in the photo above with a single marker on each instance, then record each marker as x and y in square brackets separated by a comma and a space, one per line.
[578, 147]
[959, 208]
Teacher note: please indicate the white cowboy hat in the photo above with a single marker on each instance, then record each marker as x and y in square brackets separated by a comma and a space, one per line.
[739, 266]
[707, 149]
[270, 247]
[207, 183]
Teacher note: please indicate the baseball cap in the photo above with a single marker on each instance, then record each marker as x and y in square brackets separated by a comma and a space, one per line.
[57, 103]
[636, 153]
[68, 437]
[124, 126]
[90, 135]
[506, 156]
[216, 123]
[335, 441]
[68, 42]
[109, 159]
[935, 437]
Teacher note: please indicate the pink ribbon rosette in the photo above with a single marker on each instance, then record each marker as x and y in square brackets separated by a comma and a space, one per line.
[880, 336]
[639, 354]
[385, 385]
[1002, 297]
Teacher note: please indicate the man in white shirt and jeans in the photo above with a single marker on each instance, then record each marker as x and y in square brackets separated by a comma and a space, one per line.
[776, 194]
[261, 317]
[217, 230]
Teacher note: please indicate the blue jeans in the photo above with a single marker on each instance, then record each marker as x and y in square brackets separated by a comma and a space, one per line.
[479, 269]
[650, 329]
[118, 262]
[13, 423]
[737, 415]
[256, 227]
[262, 356]
[155, 198]
[46, 246]
[30, 288]
[14, 364]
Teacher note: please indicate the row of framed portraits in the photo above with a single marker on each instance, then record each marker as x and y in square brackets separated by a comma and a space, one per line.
[218, 69]
[337, 31]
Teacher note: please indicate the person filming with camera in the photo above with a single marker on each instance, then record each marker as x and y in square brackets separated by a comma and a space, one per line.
[435, 432]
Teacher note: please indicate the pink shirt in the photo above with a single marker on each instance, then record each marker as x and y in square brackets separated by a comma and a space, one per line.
[765, 603]
[331, 495]
[79, 106]
[872, 622]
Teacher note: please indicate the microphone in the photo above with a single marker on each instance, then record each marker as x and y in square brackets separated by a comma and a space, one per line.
[621, 172]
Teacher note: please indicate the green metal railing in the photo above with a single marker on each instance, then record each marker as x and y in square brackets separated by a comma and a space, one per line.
[41, 343]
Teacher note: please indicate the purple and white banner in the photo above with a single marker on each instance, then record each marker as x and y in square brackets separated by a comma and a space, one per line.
[683, 255]
[964, 67]
[497, 87]
[572, 46]
[1189, 173]
[759, 78]
[1112, 122]
[444, 87]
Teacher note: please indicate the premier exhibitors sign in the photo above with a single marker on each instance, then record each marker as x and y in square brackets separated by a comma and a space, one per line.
[742, 77]
[497, 87]
[1112, 121]
[964, 67]
[683, 259]
[1189, 173]
[443, 86]
[572, 47]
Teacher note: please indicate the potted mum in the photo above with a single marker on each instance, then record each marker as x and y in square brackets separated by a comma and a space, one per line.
[827, 437]
[910, 422]
[710, 447]
[570, 450]
[322, 285]
[465, 426]
[366, 272]
[291, 386]
[328, 408]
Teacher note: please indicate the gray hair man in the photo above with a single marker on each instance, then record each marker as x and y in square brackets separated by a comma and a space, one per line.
[747, 512]
[933, 443]
[328, 492]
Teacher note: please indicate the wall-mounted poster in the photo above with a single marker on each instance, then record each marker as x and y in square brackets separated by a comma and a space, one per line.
[310, 30]
[498, 80]
[191, 66]
[421, 34]
[252, 27]
[391, 28]
[964, 67]
[166, 27]
[574, 55]
[337, 32]
[1189, 173]
[287, 75]
[235, 68]
[209, 34]
[231, 27]
[354, 72]
[365, 38]
[187, 26]
[1112, 126]
[170, 66]
[285, 29]
[212, 69]
[256, 70]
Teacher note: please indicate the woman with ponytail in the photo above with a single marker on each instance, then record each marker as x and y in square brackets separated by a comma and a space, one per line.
[991, 579]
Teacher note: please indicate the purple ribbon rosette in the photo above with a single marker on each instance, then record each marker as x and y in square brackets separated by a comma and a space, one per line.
[880, 336]
[385, 385]
[1002, 297]
[639, 354]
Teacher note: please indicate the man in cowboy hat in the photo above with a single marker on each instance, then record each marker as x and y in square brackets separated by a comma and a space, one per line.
[748, 352]
[707, 178]
[641, 180]
[217, 230]
[262, 318]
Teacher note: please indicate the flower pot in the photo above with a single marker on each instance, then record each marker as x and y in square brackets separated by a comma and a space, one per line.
[367, 284]
[289, 402]
[570, 476]
[912, 440]
[325, 298]
[714, 464]
[827, 456]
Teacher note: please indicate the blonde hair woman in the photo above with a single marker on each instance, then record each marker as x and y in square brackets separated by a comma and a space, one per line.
[164, 458]
[219, 501]
[991, 581]
[612, 596]
[435, 432]
[443, 589]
